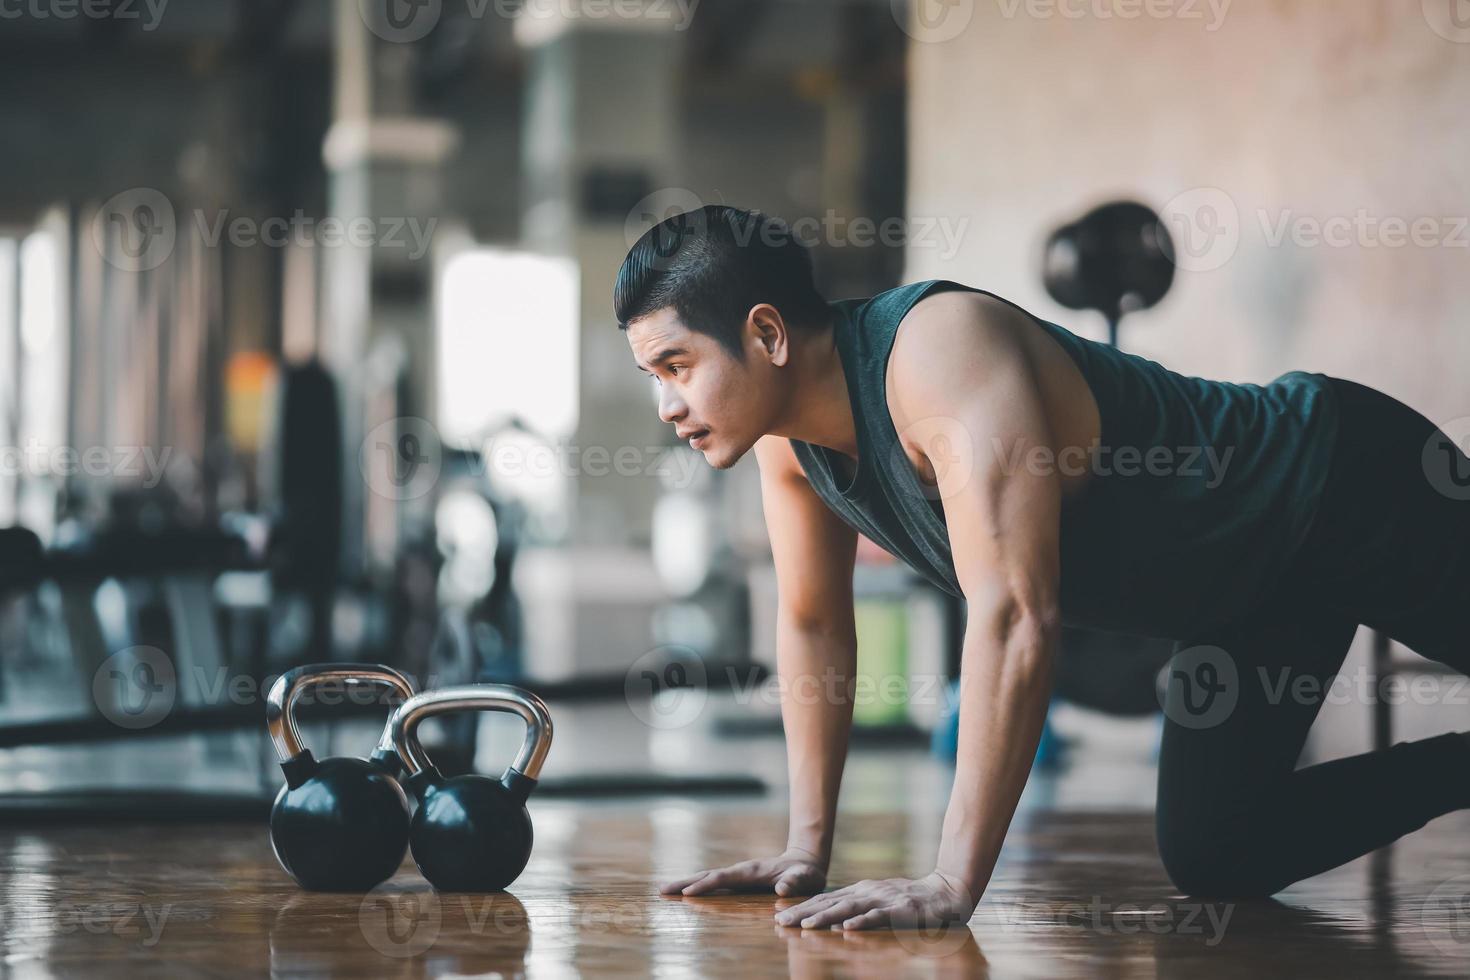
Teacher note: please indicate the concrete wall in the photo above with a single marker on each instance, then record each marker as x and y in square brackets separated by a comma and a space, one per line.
[1297, 110]
[1290, 111]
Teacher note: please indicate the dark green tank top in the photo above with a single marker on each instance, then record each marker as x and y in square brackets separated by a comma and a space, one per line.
[1161, 548]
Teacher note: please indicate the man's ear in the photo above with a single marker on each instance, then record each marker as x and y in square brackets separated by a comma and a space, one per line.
[767, 331]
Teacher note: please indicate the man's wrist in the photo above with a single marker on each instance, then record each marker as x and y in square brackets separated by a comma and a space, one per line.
[818, 852]
[964, 858]
[971, 883]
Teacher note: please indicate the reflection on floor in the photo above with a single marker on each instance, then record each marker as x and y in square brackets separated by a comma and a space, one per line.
[1080, 892]
[1080, 895]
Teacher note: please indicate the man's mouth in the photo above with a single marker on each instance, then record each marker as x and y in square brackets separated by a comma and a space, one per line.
[696, 437]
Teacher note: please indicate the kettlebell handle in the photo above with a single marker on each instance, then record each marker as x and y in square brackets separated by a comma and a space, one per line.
[280, 701]
[403, 725]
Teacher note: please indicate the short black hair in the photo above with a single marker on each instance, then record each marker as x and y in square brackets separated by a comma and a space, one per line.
[712, 265]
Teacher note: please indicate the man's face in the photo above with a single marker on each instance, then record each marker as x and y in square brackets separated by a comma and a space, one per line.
[719, 403]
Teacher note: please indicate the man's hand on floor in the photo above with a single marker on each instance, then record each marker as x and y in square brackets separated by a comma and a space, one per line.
[793, 872]
[897, 903]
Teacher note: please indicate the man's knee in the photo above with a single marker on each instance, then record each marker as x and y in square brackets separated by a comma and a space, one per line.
[1210, 858]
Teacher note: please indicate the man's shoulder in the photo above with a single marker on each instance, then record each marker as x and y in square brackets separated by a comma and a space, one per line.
[946, 328]
[777, 457]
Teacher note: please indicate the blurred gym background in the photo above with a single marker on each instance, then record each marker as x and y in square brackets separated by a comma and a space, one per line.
[306, 348]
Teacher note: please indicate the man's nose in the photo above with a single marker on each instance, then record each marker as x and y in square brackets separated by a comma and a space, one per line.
[670, 406]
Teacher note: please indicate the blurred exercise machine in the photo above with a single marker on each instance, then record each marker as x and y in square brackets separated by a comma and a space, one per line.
[238, 601]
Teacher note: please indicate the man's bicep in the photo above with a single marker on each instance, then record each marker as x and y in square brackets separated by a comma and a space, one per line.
[1004, 520]
[992, 450]
[812, 547]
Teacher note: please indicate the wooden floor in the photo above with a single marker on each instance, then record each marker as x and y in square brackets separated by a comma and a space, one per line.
[1080, 894]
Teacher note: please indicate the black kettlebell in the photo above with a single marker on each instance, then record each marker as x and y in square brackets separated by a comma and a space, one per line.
[471, 833]
[338, 824]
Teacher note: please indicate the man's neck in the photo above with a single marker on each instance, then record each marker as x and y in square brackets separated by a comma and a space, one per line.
[821, 409]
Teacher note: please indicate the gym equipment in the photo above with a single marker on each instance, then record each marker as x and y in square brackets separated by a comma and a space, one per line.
[306, 539]
[1116, 259]
[338, 824]
[883, 659]
[471, 833]
[164, 575]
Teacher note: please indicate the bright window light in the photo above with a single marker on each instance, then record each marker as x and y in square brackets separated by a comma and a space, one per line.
[43, 348]
[8, 377]
[508, 327]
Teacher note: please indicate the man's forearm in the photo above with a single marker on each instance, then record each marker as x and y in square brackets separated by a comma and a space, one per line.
[816, 670]
[1005, 684]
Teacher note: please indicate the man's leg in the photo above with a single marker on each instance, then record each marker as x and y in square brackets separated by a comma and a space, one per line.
[1236, 819]
[1390, 546]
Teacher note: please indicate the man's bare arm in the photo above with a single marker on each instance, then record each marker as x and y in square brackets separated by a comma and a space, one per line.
[968, 363]
[964, 392]
[816, 654]
[816, 640]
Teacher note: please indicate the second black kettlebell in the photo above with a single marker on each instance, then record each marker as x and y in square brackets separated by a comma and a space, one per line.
[471, 833]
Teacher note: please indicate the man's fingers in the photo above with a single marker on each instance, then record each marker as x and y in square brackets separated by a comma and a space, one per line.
[833, 914]
[800, 880]
[868, 920]
[745, 876]
[794, 915]
[675, 887]
[709, 882]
